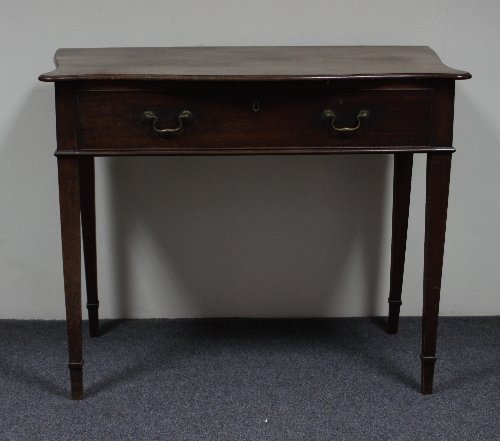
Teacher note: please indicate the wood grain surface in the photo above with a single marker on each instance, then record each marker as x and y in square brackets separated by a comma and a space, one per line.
[250, 63]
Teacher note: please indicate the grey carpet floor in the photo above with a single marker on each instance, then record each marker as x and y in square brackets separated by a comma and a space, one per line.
[237, 379]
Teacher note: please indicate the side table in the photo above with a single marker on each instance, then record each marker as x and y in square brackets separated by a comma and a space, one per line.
[252, 101]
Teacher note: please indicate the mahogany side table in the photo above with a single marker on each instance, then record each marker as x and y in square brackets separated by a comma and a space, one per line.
[252, 101]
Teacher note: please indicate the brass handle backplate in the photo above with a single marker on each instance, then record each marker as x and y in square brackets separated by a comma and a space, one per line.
[329, 115]
[150, 116]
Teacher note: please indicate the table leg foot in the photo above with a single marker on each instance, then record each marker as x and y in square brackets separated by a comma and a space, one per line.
[427, 374]
[76, 375]
[93, 310]
[393, 320]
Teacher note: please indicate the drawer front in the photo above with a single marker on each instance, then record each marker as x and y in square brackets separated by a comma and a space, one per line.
[253, 119]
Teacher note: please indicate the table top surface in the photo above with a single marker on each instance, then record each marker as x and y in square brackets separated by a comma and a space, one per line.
[262, 63]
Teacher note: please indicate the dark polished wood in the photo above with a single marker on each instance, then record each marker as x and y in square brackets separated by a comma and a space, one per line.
[438, 179]
[226, 119]
[245, 63]
[253, 100]
[403, 164]
[69, 202]
[87, 201]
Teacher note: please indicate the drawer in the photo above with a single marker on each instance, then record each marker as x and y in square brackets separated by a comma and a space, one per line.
[252, 119]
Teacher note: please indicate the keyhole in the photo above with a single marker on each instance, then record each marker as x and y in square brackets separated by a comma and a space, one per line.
[256, 105]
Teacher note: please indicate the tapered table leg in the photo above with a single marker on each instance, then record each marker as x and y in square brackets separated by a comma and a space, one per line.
[438, 179]
[403, 164]
[69, 201]
[87, 199]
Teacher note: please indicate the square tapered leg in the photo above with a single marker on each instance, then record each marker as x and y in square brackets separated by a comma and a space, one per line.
[438, 179]
[403, 164]
[87, 199]
[69, 200]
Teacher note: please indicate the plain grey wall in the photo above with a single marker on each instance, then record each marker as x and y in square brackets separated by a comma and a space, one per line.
[255, 236]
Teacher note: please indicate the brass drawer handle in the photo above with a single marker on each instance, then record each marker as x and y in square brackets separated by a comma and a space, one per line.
[149, 115]
[330, 115]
